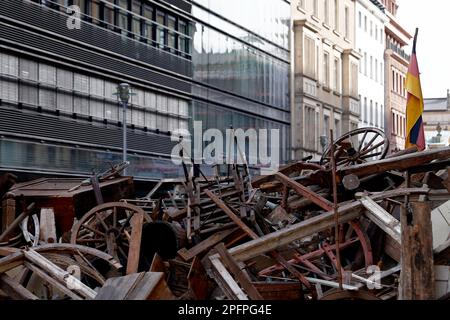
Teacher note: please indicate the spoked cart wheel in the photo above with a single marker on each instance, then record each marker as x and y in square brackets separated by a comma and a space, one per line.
[357, 147]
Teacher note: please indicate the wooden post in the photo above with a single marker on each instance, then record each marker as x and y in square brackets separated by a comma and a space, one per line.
[417, 265]
[8, 212]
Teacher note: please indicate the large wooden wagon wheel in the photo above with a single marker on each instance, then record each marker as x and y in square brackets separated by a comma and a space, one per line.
[358, 146]
[108, 228]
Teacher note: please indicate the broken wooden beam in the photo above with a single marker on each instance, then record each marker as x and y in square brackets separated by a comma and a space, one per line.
[401, 163]
[347, 212]
[381, 218]
[304, 191]
[239, 275]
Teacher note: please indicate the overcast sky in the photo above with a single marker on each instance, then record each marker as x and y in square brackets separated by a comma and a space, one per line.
[432, 17]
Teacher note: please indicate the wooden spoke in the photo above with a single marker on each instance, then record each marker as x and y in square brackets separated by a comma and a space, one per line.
[102, 234]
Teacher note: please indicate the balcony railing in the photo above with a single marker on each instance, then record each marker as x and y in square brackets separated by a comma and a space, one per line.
[398, 50]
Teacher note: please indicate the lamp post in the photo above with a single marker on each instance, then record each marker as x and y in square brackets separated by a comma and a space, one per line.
[124, 93]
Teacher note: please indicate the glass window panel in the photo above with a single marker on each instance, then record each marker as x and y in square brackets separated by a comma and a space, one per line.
[172, 37]
[28, 70]
[138, 117]
[161, 103]
[96, 108]
[28, 94]
[64, 102]
[81, 83]
[47, 98]
[110, 89]
[96, 87]
[138, 97]
[173, 106]
[47, 74]
[183, 108]
[162, 122]
[150, 100]
[111, 111]
[108, 13]
[81, 105]
[160, 32]
[150, 120]
[64, 79]
[9, 90]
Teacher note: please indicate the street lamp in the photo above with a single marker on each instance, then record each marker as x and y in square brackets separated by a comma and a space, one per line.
[124, 93]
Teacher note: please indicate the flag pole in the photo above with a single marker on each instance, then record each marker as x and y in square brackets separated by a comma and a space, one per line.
[415, 41]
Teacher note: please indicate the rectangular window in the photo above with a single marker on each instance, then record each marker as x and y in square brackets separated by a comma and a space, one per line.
[310, 128]
[326, 11]
[123, 16]
[316, 8]
[160, 29]
[171, 23]
[365, 64]
[336, 74]
[108, 13]
[371, 67]
[336, 15]
[365, 23]
[183, 41]
[366, 112]
[136, 25]
[28, 70]
[326, 69]
[64, 80]
[376, 120]
[337, 128]
[376, 70]
[310, 59]
[148, 26]
[326, 125]
[371, 28]
[360, 19]
[371, 113]
[347, 23]
[47, 74]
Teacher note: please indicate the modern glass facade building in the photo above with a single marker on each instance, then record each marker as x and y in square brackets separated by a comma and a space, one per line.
[199, 60]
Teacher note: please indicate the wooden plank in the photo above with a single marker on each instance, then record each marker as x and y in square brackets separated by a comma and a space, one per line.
[226, 281]
[305, 228]
[238, 273]
[14, 289]
[47, 225]
[382, 218]
[59, 274]
[134, 250]
[8, 212]
[400, 163]
[52, 281]
[205, 245]
[304, 191]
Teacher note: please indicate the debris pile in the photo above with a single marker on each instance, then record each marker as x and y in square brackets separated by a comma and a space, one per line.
[356, 225]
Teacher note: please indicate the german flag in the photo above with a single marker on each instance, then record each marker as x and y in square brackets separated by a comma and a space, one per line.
[414, 106]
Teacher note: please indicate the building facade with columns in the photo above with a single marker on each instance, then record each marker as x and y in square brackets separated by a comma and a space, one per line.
[370, 43]
[396, 63]
[325, 74]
